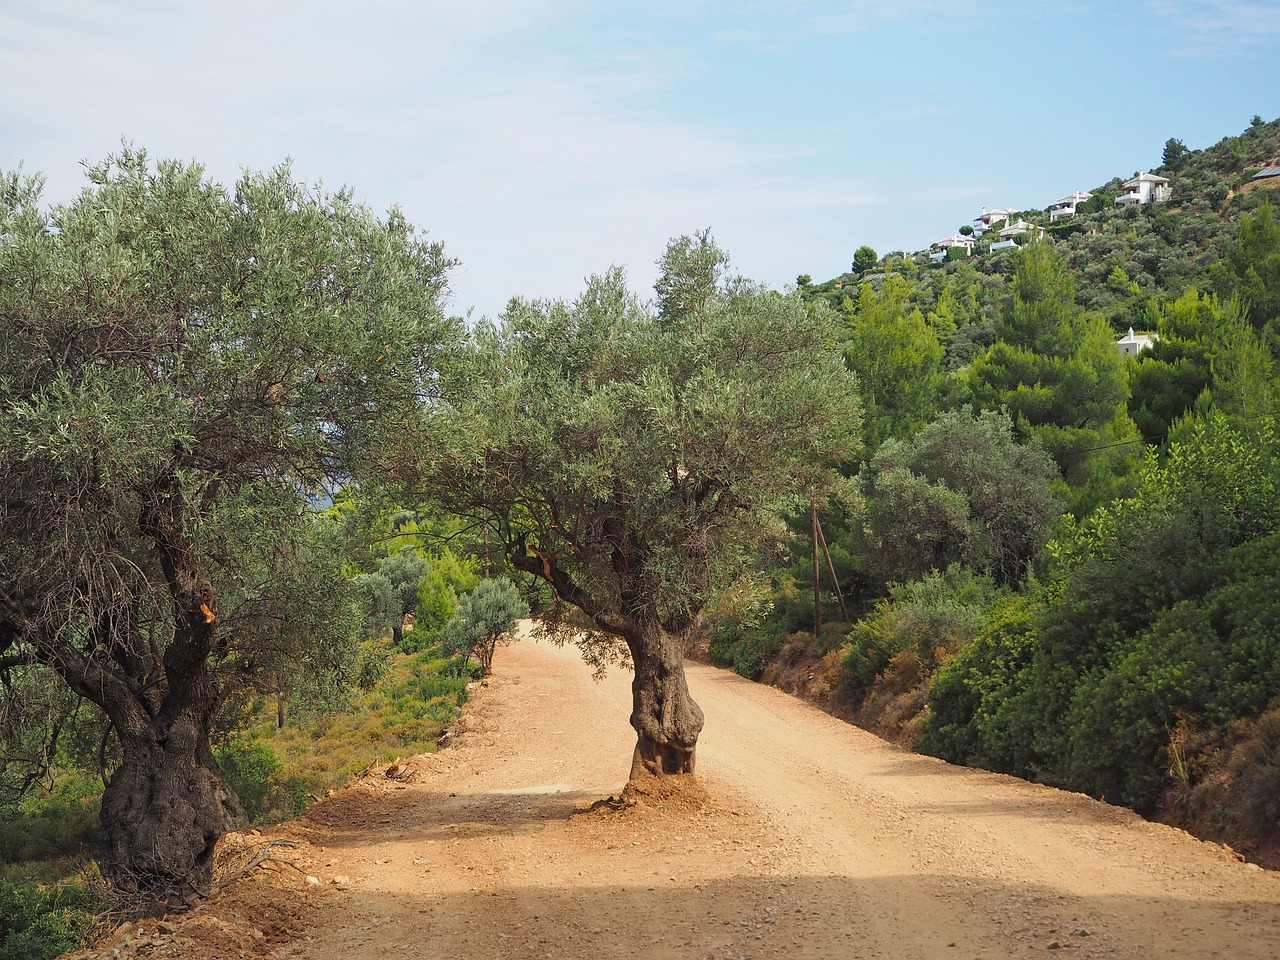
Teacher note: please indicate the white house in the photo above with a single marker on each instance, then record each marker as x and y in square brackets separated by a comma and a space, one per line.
[1132, 344]
[989, 219]
[1011, 230]
[1066, 206]
[955, 240]
[1144, 188]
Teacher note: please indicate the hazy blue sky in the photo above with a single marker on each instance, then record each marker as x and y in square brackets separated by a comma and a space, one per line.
[544, 141]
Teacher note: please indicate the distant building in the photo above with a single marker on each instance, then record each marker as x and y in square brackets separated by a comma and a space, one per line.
[940, 249]
[1144, 188]
[1132, 344]
[989, 218]
[1011, 230]
[1066, 207]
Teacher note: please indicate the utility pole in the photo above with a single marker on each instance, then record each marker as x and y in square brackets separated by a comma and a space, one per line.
[817, 588]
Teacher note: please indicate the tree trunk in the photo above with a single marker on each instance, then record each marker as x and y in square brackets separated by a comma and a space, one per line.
[163, 812]
[666, 719]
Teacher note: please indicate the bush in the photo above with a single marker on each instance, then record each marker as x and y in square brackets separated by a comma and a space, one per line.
[975, 714]
[51, 824]
[39, 923]
[921, 624]
[248, 766]
[447, 577]
[484, 616]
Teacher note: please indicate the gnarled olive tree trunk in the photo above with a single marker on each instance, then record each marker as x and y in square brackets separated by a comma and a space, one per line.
[163, 812]
[666, 719]
[167, 803]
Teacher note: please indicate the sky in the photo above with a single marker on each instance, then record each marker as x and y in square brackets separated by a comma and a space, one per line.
[542, 142]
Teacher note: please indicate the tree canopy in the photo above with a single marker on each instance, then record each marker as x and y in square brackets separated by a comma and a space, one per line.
[961, 490]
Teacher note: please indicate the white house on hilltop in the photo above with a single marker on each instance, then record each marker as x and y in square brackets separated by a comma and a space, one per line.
[1132, 344]
[1011, 230]
[1066, 207]
[989, 219]
[955, 240]
[1144, 188]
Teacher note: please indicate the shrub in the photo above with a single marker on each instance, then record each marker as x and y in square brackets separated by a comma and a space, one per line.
[39, 923]
[486, 614]
[976, 716]
[248, 766]
[920, 624]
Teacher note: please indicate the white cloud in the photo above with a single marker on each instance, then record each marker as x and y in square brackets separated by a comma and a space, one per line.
[1218, 28]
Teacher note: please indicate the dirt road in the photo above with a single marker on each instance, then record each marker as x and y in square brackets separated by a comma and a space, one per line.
[813, 839]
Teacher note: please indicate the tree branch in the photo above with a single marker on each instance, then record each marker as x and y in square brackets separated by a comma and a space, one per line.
[541, 565]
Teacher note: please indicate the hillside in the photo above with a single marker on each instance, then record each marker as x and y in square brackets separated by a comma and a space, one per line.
[1062, 560]
[1162, 248]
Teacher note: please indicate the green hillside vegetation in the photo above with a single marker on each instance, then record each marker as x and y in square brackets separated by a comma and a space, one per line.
[1065, 563]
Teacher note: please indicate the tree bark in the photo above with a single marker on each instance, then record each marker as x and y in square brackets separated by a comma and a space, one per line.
[163, 812]
[666, 719]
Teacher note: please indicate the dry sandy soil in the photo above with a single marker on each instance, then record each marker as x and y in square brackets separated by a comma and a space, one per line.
[803, 837]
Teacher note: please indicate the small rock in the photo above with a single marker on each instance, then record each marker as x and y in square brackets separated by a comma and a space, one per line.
[1054, 945]
[313, 881]
[164, 926]
[341, 882]
[1083, 932]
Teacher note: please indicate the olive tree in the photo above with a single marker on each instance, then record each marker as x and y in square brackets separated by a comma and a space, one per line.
[484, 616]
[635, 457]
[183, 369]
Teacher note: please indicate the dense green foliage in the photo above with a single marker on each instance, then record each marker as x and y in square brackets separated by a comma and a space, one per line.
[42, 922]
[447, 578]
[919, 625]
[962, 490]
[1161, 606]
[1135, 658]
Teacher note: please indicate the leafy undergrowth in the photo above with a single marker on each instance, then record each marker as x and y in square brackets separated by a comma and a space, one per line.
[50, 896]
[277, 772]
